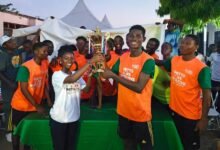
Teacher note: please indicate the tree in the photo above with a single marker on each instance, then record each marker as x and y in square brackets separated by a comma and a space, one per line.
[194, 13]
[7, 8]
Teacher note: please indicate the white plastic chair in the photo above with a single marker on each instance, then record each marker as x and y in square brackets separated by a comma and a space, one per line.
[213, 113]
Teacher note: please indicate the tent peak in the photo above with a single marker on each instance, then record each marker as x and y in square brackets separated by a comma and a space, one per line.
[80, 15]
[106, 21]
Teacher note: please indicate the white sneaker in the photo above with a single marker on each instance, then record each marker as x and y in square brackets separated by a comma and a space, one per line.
[8, 137]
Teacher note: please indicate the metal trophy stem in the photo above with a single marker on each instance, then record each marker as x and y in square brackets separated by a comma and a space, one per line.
[97, 42]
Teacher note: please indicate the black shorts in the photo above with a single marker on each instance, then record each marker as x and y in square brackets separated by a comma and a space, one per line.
[64, 135]
[185, 127]
[139, 131]
[17, 116]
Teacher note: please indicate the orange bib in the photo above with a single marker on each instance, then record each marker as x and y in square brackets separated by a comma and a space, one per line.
[80, 59]
[36, 85]
[132, 105]
[114, 58]
[185, 89]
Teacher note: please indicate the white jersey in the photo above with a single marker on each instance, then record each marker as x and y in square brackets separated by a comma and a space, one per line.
[66, 107]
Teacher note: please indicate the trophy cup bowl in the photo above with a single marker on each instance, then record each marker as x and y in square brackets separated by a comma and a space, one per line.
[97, 46]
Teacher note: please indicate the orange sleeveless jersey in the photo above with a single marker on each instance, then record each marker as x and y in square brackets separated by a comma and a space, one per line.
[155, 56]
[107, 88]
[114, 58]
[80, 59]
[132, 105]
[36, 85]
[185, 89]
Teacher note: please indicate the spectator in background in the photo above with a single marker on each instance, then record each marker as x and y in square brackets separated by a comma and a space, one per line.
[73, 47]
[161, 86]
[80, 54]
[109, 49]
[26, 51]
[118, 44]
[152, 46]
[128, 39]
[108, 87]
[50, 46]
[9, 64]
[50, 50]
[215, 73]
[166, 50]
[211, 49]
[172, 34]
[81, 57]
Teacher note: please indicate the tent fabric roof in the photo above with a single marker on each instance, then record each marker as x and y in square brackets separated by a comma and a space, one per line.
[106, 22]
[82, 16]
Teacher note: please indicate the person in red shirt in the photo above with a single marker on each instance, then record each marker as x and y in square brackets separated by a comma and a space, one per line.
[109, 90]
[81, 57]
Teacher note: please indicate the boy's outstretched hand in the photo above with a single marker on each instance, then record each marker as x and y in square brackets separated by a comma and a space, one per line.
[107, 74]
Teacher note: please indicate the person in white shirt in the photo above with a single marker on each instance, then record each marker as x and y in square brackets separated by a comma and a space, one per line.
[215, 73]
[65, 112]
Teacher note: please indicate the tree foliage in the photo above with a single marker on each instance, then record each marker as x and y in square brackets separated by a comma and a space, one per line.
[194, 13]
[7, 8]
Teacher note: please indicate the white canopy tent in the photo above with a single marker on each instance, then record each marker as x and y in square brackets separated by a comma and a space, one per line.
[82, 16]
[55, 30]
[106, 22]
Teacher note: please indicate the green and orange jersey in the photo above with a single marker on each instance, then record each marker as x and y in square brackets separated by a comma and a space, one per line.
[36, 77]
[188, 78]
[155, 56]
[132, 105]
[161, 85]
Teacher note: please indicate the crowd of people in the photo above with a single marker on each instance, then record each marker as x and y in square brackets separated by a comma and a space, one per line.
[132, 78]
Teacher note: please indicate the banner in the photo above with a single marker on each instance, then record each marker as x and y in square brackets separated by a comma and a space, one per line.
[152, 31]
